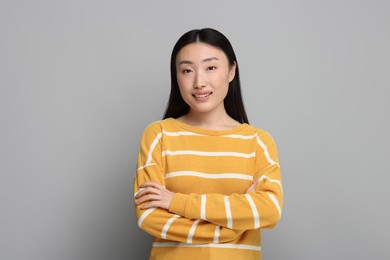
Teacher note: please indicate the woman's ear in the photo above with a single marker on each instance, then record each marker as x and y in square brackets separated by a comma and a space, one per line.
[232, 71]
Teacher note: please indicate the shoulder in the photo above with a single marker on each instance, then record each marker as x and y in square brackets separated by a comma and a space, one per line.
[158, 127]
[154, 126]
[263, 136]
[152, 130]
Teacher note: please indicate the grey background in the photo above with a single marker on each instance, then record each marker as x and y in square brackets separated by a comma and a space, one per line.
[81, 79]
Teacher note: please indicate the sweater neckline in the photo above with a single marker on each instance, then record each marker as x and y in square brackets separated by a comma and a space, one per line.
[205, 131]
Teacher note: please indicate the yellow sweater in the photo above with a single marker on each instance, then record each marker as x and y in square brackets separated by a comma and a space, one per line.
[210, 216]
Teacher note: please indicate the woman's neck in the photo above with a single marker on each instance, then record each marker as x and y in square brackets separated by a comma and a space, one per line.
[212, 121]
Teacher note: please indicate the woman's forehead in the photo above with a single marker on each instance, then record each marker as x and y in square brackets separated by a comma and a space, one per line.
[199, 52]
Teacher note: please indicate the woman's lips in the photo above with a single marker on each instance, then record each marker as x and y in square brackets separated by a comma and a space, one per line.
[202, 96]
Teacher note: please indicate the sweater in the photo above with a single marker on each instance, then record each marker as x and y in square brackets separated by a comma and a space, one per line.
[210, 216]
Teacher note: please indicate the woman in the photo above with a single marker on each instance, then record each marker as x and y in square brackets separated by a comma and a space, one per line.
[206, 179]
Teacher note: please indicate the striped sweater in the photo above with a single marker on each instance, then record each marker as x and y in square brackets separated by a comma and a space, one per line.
[210, 216]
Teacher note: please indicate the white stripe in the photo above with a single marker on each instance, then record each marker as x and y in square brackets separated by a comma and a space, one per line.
[223, 245]
[180, 133]
[192, 231]
[264, 147]
[210, 175]
[184, 133]
[245, 137]
[228, 213]
[144, 215]
[276, 202]
[151, 149]
[167, 225]
[203, 207]
[146, 165]
[201, 153]
[216, 234]
[255, 213]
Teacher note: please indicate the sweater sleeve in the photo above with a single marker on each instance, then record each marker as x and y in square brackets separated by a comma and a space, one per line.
[160, 222]
[259, 209]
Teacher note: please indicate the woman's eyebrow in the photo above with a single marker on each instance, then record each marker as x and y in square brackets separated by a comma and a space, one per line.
[205, 60]
[210, 59]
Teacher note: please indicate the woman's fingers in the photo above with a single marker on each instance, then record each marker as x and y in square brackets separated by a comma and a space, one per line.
[148, 190]
[252, 187]
[149, 187]
[151, 184]
[147, 197]
[152, 194]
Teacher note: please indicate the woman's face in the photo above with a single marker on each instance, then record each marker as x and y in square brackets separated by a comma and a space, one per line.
[203, 74]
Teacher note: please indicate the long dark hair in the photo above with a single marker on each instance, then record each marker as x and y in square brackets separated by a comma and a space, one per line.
[234, 105]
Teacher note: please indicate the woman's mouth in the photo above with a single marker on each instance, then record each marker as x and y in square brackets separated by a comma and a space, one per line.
[201, 96]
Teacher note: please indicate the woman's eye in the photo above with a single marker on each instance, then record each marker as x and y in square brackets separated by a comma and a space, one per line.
[211, 68]
[185, 71]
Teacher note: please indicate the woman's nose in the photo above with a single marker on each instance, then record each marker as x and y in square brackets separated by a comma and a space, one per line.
[199, 80]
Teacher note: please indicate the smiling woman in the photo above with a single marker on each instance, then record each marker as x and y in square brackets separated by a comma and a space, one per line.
[206, 180]
[203, 74]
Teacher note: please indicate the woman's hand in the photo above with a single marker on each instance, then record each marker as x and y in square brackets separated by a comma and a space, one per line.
[252, 188]
[153, 195]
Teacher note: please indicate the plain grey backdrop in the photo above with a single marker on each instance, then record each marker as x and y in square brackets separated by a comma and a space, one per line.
[81, 79]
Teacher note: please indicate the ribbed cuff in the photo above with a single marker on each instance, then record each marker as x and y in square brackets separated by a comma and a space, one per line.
[178, 204]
